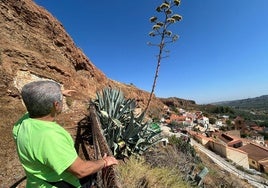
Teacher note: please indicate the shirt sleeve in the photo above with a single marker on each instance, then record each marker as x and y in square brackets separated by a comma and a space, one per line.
[58, 151]
[17, 125]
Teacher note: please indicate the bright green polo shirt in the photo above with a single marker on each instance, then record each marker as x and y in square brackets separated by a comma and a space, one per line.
[45, 150]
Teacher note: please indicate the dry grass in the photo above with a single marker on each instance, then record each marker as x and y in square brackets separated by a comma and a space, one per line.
[136, 173]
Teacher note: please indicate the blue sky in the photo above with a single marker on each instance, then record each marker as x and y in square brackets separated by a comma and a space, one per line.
[221, 54]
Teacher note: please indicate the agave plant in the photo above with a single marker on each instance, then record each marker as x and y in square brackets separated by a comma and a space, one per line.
[126, 132]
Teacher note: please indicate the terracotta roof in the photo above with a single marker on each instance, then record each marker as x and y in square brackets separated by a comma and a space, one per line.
[202, 137]
[233, 142]
[175, 117]
[264, 161]
[257, 128]
[255, 151]
[225, 138]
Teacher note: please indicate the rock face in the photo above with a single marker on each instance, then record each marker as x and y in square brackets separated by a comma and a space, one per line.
[34, 46]
[178, 103]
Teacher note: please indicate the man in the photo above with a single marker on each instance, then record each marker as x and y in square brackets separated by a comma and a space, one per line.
[45, 149]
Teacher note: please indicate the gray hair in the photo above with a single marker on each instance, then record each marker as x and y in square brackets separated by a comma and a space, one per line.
[39, 96]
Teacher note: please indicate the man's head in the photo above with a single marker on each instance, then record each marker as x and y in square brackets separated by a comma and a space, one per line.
[42, 98]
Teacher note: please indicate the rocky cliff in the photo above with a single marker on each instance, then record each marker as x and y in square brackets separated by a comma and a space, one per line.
[34, 45]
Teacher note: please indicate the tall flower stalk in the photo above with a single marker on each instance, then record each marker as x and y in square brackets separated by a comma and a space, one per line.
[161, 29]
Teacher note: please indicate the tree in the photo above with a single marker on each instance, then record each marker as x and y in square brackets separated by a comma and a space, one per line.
[228, 122]
[212, 120]
[161, 29]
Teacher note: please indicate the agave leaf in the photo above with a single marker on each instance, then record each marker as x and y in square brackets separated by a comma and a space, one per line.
[141, 140]
[127, 107]
[129, 127]
[100, 100]
[132, 104]
[153, 134]
[115, 146]
[125, 152]
[104, 114]
[117, 109]
[117, 122]
[131, 131]
[116, 100]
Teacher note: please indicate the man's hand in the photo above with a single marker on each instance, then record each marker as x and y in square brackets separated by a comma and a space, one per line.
[109, 160]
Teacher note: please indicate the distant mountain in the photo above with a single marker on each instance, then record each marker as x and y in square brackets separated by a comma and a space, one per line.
[257, 103]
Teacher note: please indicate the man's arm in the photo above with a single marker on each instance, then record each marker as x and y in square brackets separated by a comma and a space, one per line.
[81, 168]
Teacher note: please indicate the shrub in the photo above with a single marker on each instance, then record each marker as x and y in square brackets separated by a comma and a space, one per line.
[138, 173]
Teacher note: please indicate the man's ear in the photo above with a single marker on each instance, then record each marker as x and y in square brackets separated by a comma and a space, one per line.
[57, 106]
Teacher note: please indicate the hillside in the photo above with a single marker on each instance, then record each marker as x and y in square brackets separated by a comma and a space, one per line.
[257, 103]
